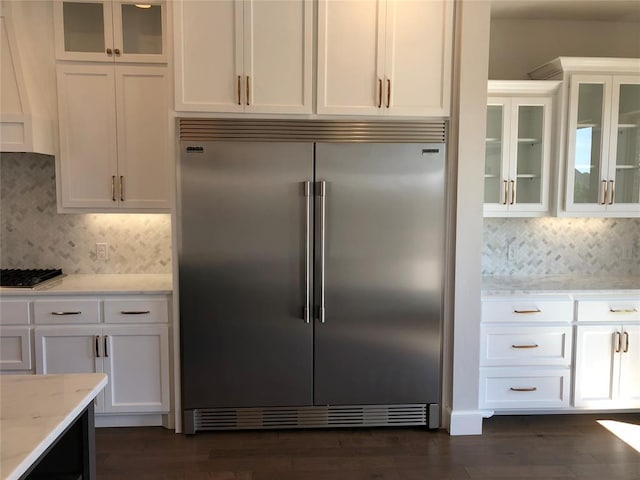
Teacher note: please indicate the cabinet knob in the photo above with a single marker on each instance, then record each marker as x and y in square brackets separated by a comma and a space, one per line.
[117, 51]
[109, 51]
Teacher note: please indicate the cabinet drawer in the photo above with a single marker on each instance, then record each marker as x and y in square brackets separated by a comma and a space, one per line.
[527, 309]
[15, 348]
[14, 312]
[524, 388]
[525, 345]
[625, 309]
[73, 311]
[136, 310]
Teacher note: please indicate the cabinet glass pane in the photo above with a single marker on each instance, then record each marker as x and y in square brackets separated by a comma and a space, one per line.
[142, 29]
[529, 161]
[493, 155]
[588, 138]
[83, 27]
[627, 186]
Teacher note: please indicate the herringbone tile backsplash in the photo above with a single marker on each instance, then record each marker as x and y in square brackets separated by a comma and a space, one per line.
[34, 235]
[561, 246]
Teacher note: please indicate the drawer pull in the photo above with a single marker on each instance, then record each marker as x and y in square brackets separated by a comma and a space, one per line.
[537, 310]
[623, 310]
[135, 312]
[528, 389]
[535, 345]
[65, 313]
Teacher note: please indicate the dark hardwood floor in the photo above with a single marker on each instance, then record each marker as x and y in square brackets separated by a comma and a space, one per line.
[531, 447]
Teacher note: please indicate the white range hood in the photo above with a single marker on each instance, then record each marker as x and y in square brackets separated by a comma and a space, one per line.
[27, 101]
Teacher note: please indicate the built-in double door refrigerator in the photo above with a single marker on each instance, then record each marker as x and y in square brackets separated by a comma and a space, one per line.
[310, 282]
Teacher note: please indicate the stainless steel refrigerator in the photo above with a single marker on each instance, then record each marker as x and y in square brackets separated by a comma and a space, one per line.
[310, 273]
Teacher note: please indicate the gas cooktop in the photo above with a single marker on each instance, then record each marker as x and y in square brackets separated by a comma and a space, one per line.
[13, 277]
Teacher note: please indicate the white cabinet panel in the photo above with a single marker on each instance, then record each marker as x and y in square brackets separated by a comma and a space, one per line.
[524, 309]
[14, 312]
[66, 310]
[15, 348]
[622, 309]
[630, 365]
[525, 345]
[136, 360]
[68, 349]
[597, 366]
[136, 310]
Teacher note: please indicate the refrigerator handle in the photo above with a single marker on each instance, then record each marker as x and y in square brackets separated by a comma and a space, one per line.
[323, 208]
[307, 258]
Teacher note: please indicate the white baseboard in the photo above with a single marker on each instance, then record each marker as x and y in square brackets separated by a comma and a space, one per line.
[467, 422]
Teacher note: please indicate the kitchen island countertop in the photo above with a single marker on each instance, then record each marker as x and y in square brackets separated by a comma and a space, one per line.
[561, 284]
[96, 284]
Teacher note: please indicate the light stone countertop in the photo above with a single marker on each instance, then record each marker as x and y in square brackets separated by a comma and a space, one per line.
[96, 284]
[560, 284]
[35, 410]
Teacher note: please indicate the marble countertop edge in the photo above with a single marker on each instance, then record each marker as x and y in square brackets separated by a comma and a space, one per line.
[561, 284]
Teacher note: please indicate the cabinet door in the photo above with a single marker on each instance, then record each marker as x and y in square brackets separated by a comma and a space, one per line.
[278, 38]
[419, 40]
[143, 137]
[496, 162]
[208, 55]
[88, 151]
[624, 148]
[68, 349]
[588, 137]
[350, 57]
[139, 31]
[83, 30]
[15, 348]
[597, 366]
[530, 154]
[630, 366]
[137, 362]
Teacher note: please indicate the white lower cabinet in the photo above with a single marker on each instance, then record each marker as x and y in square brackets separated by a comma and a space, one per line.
[135, 358]
[15, 349]
[526, 352]
[607, 366]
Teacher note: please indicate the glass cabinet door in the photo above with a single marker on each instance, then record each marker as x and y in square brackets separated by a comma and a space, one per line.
[496, 166]
[624, 163]
[138, 28]
[530, 154]
[85, 31]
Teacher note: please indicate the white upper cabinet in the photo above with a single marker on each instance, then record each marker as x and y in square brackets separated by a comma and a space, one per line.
[243, 56]
[108, 31]
[604, 144]
[600, 139]
[114, 138]
[519, 148]
[385, 57]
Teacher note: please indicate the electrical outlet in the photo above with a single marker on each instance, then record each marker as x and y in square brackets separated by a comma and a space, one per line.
[102, 251]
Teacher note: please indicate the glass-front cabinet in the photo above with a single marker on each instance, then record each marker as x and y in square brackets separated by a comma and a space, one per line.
[518, 148]
[108, 31]
[603, 152]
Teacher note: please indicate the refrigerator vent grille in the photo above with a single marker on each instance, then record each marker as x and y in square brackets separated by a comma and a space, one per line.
[249, 130]
[309, 417]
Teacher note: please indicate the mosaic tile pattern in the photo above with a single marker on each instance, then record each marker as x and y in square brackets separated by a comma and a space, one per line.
[561, 246]
[34, 235]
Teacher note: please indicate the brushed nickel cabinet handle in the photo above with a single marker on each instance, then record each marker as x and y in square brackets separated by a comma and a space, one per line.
[113, 188]
[379, 93]
[109, 51]
[239, 90]
[535, 345]
[604, 193]
[513, 192]
[623, 310]
[626, 342]
[106, 346]
[618, 341]
[307, 255]
[537, 310]
[135, 312]
[506, 192]
[388, 92]
[527, 389]
[65, 313]
[122, 188]
[97, 339]
[323, 231]
[248, 88]
[612, 192]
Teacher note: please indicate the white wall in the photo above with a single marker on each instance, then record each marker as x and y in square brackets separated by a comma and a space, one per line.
[518, 46]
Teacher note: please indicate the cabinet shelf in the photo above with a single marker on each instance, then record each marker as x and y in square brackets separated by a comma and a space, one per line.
[627, 167]
[624, 126]
[589, 125]
[490, 175]
[493, 140]
[527, 175]
[530, 140]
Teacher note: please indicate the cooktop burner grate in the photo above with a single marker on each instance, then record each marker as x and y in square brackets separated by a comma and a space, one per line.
[14, 277]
